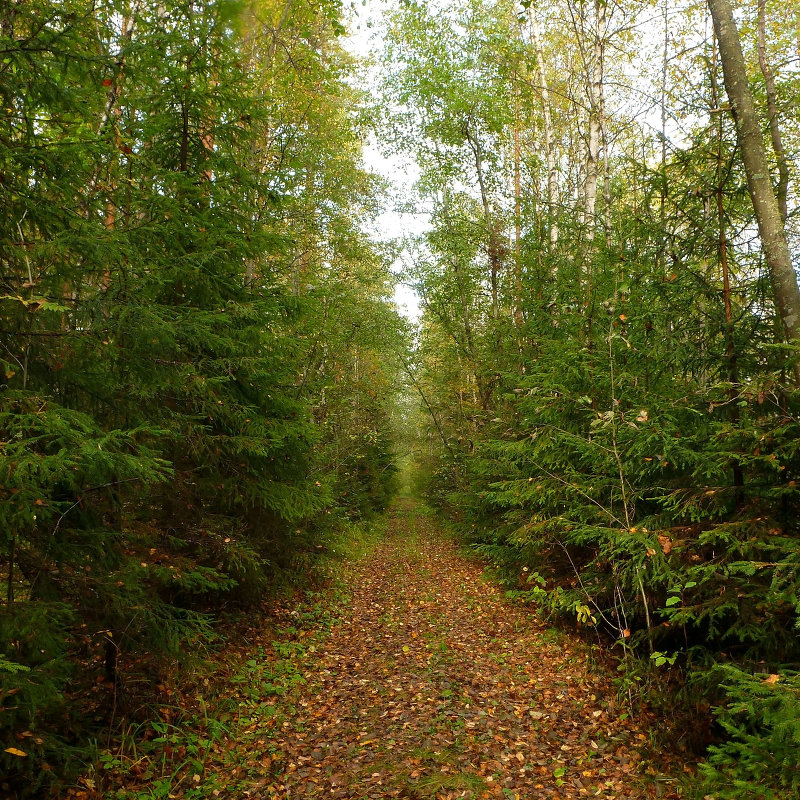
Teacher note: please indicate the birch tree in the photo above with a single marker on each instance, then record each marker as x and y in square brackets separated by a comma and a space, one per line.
[759, 181]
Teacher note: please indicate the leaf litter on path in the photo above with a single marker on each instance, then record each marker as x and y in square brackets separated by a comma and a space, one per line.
[430, 685]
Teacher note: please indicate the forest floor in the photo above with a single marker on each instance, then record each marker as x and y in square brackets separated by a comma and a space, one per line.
[420, 680]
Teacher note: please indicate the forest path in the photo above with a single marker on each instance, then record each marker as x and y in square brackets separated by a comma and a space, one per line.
[433, 685]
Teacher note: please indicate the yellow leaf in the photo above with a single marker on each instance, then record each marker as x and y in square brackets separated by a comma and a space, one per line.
[15, 751]
[772, 679]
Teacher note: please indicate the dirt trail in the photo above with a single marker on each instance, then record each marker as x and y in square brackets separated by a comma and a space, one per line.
[435, 686]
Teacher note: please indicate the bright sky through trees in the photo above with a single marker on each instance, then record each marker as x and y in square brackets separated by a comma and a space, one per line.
[365, 41]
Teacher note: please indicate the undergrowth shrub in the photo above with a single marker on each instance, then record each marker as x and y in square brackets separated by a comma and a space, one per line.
[640, 478]
[760, 756]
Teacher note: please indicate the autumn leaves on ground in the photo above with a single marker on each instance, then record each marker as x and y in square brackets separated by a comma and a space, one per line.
[419, 680]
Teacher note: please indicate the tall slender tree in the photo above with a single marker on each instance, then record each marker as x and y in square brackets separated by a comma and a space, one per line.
[759, 181]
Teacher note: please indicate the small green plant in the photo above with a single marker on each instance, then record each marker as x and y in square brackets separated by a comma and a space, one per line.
[659, 659]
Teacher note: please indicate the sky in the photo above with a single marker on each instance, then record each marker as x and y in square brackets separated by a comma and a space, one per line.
[364, 37]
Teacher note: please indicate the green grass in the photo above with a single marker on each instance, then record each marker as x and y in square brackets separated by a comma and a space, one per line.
[429, 786]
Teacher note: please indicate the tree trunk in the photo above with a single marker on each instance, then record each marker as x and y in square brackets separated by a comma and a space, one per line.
[494, 247]
[772, 110]
[12, 556]
[596, 111]
[549, 146]
[722, 249]
[770, 225]
[517, 217]
[126, 35]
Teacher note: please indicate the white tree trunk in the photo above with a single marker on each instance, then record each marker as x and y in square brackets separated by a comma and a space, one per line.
[596, 112]
[549, 146]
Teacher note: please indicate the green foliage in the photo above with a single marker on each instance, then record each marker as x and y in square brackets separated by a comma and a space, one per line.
[761, 720]
[197, 351]
[607, 413]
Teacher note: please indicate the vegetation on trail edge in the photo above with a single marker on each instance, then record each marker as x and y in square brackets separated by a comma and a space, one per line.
[411, 676]
[196, 347]
[607, 355]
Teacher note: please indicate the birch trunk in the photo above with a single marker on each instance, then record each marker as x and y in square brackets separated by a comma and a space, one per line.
[549, 147]
[494, 248]
[772, 110]
[751, 144]
[596, 110]
[517, 218]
